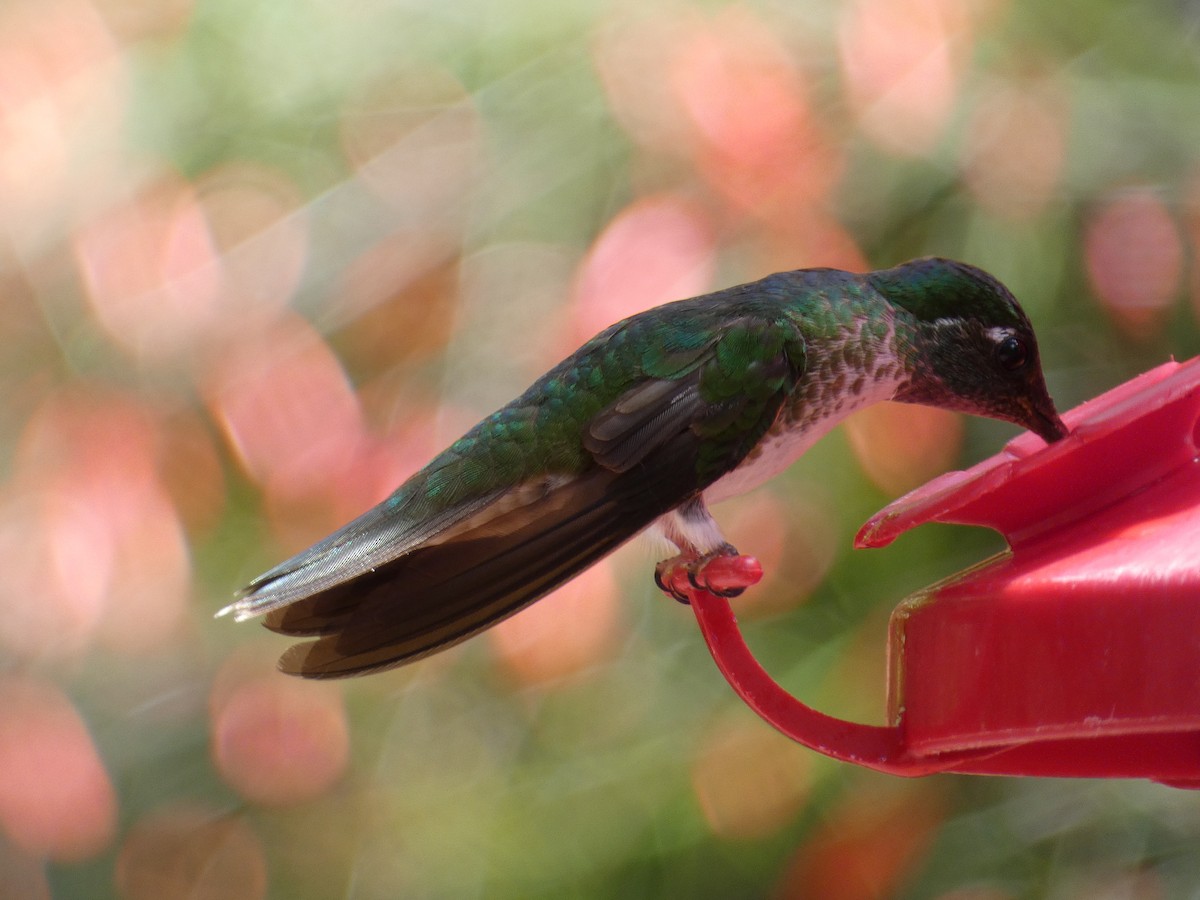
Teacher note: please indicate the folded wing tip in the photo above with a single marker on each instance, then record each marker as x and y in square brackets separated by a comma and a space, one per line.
[252, 601]
[226, 610]
[240, 609]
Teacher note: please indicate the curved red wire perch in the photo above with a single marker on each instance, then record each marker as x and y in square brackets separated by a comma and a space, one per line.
[864, 744]
[877, 747]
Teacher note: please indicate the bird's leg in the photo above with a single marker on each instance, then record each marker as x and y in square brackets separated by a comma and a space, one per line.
[706, 562]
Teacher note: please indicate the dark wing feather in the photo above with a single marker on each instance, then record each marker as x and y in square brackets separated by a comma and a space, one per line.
[441, 594]
[622, 435]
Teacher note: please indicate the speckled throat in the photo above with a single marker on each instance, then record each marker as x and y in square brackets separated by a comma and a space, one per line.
[858, 367]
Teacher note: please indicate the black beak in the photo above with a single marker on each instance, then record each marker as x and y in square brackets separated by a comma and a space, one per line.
[1045, 423]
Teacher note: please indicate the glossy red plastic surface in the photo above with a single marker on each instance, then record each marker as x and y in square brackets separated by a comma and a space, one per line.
[1076, 652]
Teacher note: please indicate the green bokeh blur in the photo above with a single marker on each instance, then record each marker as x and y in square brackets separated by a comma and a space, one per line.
[433, 202]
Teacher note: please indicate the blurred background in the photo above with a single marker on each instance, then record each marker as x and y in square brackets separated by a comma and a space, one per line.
[260, 260]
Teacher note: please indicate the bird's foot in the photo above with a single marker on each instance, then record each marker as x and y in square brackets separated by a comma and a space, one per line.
[723, 572]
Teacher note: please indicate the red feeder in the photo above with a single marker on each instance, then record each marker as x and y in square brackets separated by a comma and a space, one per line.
[1074, 653]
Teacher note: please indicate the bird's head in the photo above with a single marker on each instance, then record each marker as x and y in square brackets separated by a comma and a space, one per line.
[967, 345]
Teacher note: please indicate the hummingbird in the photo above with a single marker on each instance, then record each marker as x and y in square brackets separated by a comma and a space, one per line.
[641, 429]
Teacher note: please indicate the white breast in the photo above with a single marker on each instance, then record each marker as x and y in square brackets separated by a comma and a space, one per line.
[776, 453]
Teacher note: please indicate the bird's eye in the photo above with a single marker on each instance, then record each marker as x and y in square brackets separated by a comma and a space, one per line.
[1012, 353]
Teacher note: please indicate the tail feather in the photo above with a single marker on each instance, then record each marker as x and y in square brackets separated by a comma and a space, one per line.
[440, 594]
